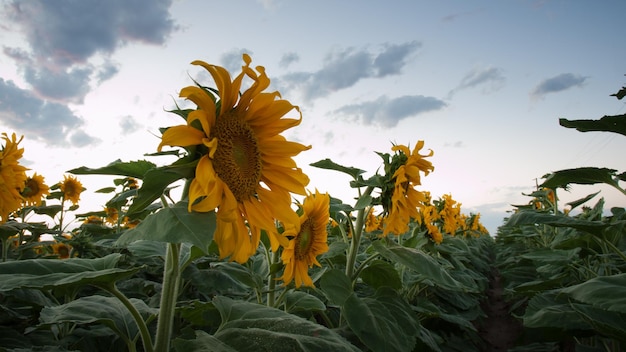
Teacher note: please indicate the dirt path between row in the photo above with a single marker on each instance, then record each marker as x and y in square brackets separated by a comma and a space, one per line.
[499, 329]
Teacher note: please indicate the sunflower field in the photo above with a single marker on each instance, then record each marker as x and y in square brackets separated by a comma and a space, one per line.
[226, 249]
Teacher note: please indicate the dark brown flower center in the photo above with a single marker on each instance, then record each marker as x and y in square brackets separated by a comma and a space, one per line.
[31, 188]
[304, 240]
[237, 159]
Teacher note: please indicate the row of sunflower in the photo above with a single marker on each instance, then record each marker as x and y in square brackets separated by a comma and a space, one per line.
[203, 273]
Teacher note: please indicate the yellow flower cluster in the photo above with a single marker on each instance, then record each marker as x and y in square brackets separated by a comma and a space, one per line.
[12, 176]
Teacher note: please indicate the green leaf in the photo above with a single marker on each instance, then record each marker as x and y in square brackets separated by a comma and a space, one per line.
[330, 165]
[50, 210]
[532, 218]
[336, 286]
[380, 273]
[363, 201]
[606, 292]
[549, 310]
[135, 169]
[426, 267]
[615, 124]
[384, 322]
[108, 311]
[202, 343]
[582, 176]
[576, 203]
[155, 182]
[253, 327]
[45, 274]
[174, 224]
[298, 301]
[611, 324]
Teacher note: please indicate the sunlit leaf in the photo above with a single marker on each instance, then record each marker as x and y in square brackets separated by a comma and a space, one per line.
[174, 224]
[331, 165]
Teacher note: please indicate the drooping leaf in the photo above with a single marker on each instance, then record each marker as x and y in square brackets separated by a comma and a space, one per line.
[383, 322]
[297, 301]
[253, 327]
[582, 176]
[45, 274]
[424, 265]
[108, 311]
[532, 218]
[136, 169]
[549, 310]
[336, 286]
[576, 203]
[615, 124]
[331, 165]
[380, 273]
[174, 224]
[606, 292]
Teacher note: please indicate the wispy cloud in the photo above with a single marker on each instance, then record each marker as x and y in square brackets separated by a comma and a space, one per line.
[51, 122]
[489, 78]
[558, 83]
[388, 112]
[61, 38]
[288, 59]
[344, 68]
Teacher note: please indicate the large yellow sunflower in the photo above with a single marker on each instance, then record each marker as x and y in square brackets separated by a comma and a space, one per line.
[309, 240]
[406, 199]
[246, 168]
[35, 189]
[71, 188]
[12, 176]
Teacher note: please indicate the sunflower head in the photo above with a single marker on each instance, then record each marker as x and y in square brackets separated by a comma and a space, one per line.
[12, 176]
[111, 215]
[71, 188]
[245, 167]
[35, 189]
[308, 239]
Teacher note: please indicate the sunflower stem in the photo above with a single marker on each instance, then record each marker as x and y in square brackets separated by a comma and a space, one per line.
[356, 237]
[169, 294]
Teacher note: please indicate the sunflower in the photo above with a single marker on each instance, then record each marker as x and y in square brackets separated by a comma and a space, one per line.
[12, 176]
[309, 240]
[71, 188]
[405, 199]
[111, 215]
[245, 169]
[35, 189]
[62, 250]
[373, 222]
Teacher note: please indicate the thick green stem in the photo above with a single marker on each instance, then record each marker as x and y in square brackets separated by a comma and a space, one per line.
[271, 283]
[169, 295]
[356, 237]
[141, 324]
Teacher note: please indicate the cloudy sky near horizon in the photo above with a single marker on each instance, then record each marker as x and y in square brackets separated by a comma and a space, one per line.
[483, 83]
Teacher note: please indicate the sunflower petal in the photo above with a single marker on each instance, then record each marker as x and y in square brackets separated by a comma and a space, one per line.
[181, 136]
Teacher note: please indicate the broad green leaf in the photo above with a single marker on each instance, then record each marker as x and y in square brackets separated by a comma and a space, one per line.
[135, 169]
[98, 309]
[532, 218]
[384, 322]
[427, 267]
[606, 292]
[363, 201]
[552, 255]
[582, 176]
[605, 323]
[174, 224]
[297, 301]
[11, 228]
[155, 181]
[549, 310]
[331, 165]
[240, 274]
[253, 327]
[606, 123]
[202, 343]
[336, 286]
[380, 273]
[45, 274]
[580, 201]
[50, 210]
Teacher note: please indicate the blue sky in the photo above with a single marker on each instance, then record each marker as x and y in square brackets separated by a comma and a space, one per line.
[483, 83]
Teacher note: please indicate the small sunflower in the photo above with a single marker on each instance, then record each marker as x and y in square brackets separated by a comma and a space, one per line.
[373, 222]
[309, 240]
[245, 169]
[12, 176]
[62, 250]
[71, 188]
[405, 199]
[35, 189]
[111, 215]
